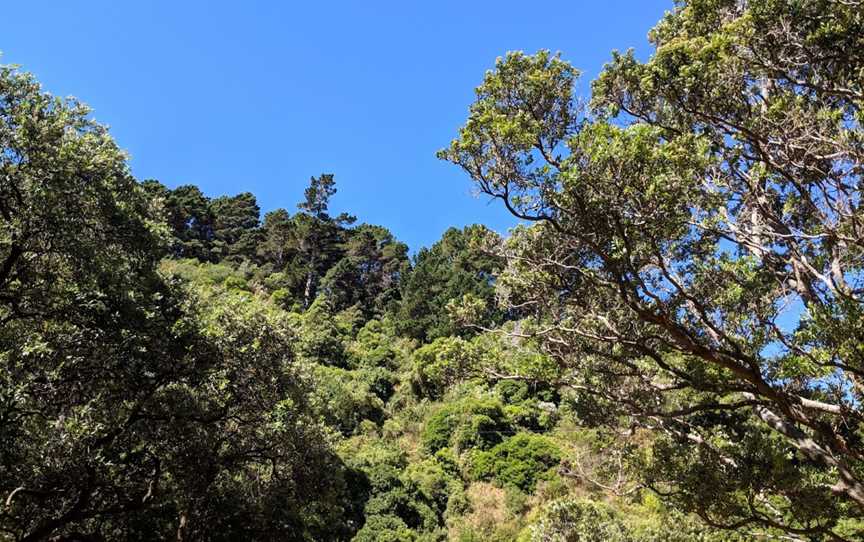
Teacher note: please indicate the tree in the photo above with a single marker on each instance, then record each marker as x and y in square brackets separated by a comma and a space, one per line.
[318, 234]
[235, 226]
[371, 271]
[276, 237]
[696, 259]
[78, 299]
[318, 195]
[61, 231]
[186, 211]
[453, 267]
[191, 219]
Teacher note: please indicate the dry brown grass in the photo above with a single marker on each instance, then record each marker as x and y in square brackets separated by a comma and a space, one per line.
[488, 515]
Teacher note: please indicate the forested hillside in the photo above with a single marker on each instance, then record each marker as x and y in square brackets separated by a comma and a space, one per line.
[668, 348]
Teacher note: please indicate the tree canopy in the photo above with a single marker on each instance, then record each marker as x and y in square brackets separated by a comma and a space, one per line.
[696, 258]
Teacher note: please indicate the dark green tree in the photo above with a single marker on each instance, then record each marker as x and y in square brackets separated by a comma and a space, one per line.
[453, 267]
[191, 219]
[235, 227]
[370, 272]
[277, 234]
[318, 195]
[186, 211]
[318, 235]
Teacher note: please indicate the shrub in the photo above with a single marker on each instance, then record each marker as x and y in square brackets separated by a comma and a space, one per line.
[235, 283]
[427, 479]
[486, 518]
[345, 398]
[437, 431]
[282, 298]
[466, 424]
[385, 529]
[579, 521]
[519, 461]
[375, 346]
[276, 281]
[322, 335]
[512, 391]
[441, 364]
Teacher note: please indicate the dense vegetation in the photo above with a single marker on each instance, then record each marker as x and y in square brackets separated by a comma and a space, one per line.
[669, 349]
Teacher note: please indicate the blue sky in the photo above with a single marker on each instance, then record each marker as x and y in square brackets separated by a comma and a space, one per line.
[260, 95]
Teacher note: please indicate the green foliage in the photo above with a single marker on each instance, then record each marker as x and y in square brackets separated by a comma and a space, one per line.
[322, 335]
[433, 483]
[417, 495]
[520, 461]
[256, 382]
[188, 215]
[276, 237]
[385, 529]
[346, 398]
[376, 345]
[452, 268]
[235, 283]
[305, 255]
[235, 223]
[442, 363]
[282, 298]
[202, 274]
[465, 424]
[370, 272]
[580, 520]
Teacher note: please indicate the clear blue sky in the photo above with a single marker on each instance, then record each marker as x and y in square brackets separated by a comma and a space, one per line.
[260, 95]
